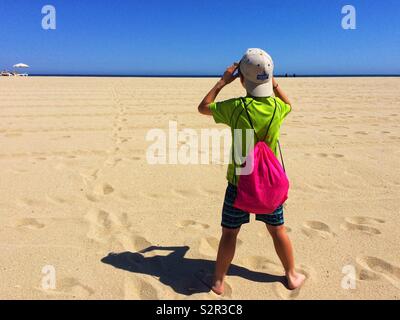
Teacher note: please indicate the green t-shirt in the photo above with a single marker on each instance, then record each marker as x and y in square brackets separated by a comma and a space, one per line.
[232, 113]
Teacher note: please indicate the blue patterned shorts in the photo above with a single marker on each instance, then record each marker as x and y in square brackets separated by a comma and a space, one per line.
[233, 218]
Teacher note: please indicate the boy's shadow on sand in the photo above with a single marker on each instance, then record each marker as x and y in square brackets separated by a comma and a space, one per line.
[182, 274]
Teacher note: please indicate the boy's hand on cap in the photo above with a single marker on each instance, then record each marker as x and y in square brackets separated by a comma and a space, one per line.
[228, 75]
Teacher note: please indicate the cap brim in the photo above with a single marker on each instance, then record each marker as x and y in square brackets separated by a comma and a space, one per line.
[257, 89]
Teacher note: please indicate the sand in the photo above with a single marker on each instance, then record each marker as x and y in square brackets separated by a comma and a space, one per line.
[79, 200]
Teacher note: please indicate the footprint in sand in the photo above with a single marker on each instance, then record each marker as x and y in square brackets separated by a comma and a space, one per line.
[124, 220]
[193, 224]
[103, 189]
[372, 268]
[105, 227]
[99, 225]
[91, 176]
[113, 162]
[362, 224]
[365, 220]
[132, 243]
[209, 246]
[259, 263]
[317, 229]
[136, 288]
[30, 223]
[284, 293]
[140, 243]
[266, 265]
[91, 197]
[74, 287]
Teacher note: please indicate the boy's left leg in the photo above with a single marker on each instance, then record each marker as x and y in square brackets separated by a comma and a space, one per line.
[284, 250]
[226, 252]
[283, 247]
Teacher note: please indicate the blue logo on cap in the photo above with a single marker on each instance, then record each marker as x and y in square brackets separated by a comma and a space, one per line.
[263, 76]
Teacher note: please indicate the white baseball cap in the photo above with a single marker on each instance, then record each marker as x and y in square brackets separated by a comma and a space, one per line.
[257, 69]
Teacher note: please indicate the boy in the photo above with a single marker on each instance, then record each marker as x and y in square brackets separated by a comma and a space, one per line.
[256, 75]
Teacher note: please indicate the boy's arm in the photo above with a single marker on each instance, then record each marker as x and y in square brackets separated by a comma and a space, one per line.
[228, 77]
[279, 93]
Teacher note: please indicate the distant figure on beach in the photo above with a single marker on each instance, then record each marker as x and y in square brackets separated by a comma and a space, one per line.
[266, 106]
[5, 73]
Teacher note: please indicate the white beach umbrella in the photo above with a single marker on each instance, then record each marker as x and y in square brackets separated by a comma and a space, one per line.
[20, 65]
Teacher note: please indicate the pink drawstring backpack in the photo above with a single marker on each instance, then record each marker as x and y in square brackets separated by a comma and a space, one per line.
[266, 187]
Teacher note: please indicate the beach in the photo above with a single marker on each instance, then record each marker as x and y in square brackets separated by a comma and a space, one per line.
[79, 198]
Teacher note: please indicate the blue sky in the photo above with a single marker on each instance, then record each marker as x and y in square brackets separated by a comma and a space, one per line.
[200, 37]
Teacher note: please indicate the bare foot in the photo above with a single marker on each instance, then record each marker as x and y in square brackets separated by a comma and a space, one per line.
[218, 287]
[295, 280]
[208, 279]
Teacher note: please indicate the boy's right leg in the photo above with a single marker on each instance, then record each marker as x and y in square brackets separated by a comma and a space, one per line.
[226, 252]
[232, 220]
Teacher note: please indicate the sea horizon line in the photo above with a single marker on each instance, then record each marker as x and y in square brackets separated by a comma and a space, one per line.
[204, 76]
